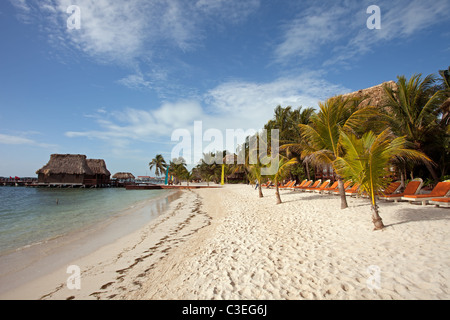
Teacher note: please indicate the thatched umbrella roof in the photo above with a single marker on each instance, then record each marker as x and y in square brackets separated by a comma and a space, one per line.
[123, 175]
[375, 95]
[98, 166]
[66, 163]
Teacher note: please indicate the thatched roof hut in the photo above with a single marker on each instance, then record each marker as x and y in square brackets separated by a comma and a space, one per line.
[123, 176]
[73, 169]
[98, 166]
[375, 95]
[74, 164]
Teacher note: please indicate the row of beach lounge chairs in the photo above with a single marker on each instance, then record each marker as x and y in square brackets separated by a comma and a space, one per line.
[439, 196]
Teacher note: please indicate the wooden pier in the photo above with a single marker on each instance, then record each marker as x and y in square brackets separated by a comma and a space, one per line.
[17, 182]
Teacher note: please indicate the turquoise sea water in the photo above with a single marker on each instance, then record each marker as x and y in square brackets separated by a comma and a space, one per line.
[33, 215]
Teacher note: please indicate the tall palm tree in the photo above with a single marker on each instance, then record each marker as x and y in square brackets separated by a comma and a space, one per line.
[159, 164]
[283, 169]
[178, 169]
[413, 106]
[323, 134]
[189, 176]
[366, 160]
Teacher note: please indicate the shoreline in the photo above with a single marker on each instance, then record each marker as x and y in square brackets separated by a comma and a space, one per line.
[228, 244]
[27, 264]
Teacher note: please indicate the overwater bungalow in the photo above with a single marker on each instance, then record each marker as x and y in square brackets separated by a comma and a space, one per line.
[123, 176]
[101, 175]
[73, 170]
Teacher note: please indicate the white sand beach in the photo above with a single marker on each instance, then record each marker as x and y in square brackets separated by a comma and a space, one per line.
[230, 244]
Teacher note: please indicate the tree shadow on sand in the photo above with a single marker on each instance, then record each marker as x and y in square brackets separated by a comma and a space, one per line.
[414, 214]
[426, 213]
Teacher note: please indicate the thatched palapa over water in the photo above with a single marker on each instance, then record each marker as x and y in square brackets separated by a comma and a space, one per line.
[74, 169]
[123, 176]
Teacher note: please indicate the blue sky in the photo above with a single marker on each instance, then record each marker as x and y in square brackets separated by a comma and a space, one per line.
[135, 71]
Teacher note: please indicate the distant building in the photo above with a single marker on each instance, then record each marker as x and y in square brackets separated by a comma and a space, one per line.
[123, 176]
[75, 170]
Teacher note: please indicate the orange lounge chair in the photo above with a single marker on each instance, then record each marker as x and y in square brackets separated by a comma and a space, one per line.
[347, 185]
[290, 184]
[353, 190]
[283, 186]
[442, 189]
[303, 185]
[441, 202]
[267, 184]
[319, 188]
[314, 185]
[412, 188]
[391, 189]
[300, 185]
[334, 186]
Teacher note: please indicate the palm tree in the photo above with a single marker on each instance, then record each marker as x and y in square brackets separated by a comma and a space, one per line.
[283, 169]
[159, 164]
[177, 168]
[286, 121]
[189, 175]
[366, 161]
[322, 136]
[254, 154]
[414, 106]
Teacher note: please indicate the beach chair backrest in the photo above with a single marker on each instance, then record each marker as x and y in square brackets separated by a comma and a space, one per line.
[308, 183]
[325, 184]
[441, 189]
[316, 183]
[334, 185]
[347, 184]
[392, 188]
[413, 187]
[303, 183]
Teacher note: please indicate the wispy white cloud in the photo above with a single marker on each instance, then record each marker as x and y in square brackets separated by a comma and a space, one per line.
[122, 31]
[400, 21]
[22, 140]
[336, 32]
[231, 105]
[135, 81]
[242, 104]
[309, 31]
[147, 125]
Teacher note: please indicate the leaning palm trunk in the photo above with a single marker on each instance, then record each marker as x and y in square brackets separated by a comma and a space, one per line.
[342, 193]
[260, 189]
[277, 192]
[376, 219]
